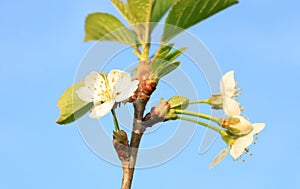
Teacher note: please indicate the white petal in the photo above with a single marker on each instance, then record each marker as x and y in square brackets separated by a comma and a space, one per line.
[219, 158]
[101, 110]
[231, 107]
[257, 127]
[118, 80]
[85, 94]
[227, 84]
[240, 144]
[128, 92]
[95, 82]
[91, 79]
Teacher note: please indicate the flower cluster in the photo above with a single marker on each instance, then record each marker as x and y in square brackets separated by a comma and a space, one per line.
[239, 131]
[106, 91]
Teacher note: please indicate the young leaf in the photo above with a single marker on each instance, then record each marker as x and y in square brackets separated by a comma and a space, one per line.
[174, 54]
[155, 66]
[162, 61]
[106, 27]
[138, 15]
[165, 54]
[71, 106]
[124, 9]
[162, 52]
[186, 13]
[160, 68]
[141, 9]
[167, 69]
[160, 7]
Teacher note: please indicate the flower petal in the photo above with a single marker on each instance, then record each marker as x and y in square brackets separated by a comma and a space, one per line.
[227, 84]
[95, 82]
[219, 157]
[240, 144]
[118, 80]
[128, 92]
[231, 107]
[101, 110]
[85, 94]
[91, 78]
[257, 127]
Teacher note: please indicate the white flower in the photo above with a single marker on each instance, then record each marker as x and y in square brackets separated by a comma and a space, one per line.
[228, 91]
[239, 144]
[243, 142]
[240, 131]
[104, 91]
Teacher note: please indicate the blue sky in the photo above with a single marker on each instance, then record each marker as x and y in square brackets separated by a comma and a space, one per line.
[42, 46]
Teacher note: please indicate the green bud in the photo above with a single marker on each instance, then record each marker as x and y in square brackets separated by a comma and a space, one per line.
[121, 137]
[178, 102]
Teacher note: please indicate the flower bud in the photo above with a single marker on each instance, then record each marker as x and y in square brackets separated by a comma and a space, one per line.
[120, 142]
[120, 136]
[161, 110]
[178, 102]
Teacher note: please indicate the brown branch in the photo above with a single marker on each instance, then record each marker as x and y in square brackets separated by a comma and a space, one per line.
[128, 153]
[136, 136]
[139, 127]
[145, 89]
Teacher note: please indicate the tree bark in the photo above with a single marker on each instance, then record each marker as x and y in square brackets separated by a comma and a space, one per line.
[127, 176]
[136, 136]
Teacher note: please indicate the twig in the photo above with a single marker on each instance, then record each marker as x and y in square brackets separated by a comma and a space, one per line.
[144, 92]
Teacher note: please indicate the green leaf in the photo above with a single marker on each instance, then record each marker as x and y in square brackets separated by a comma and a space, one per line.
[138, 15]
[124, 9]
[141, 9]
[162, 61]
[165, 54]
[167, 69]
[162, 52]
[71, 106]
[106, 27]
[186, 13]
[155, 66]
[174, 54]
[160, 7]
[160, 68]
